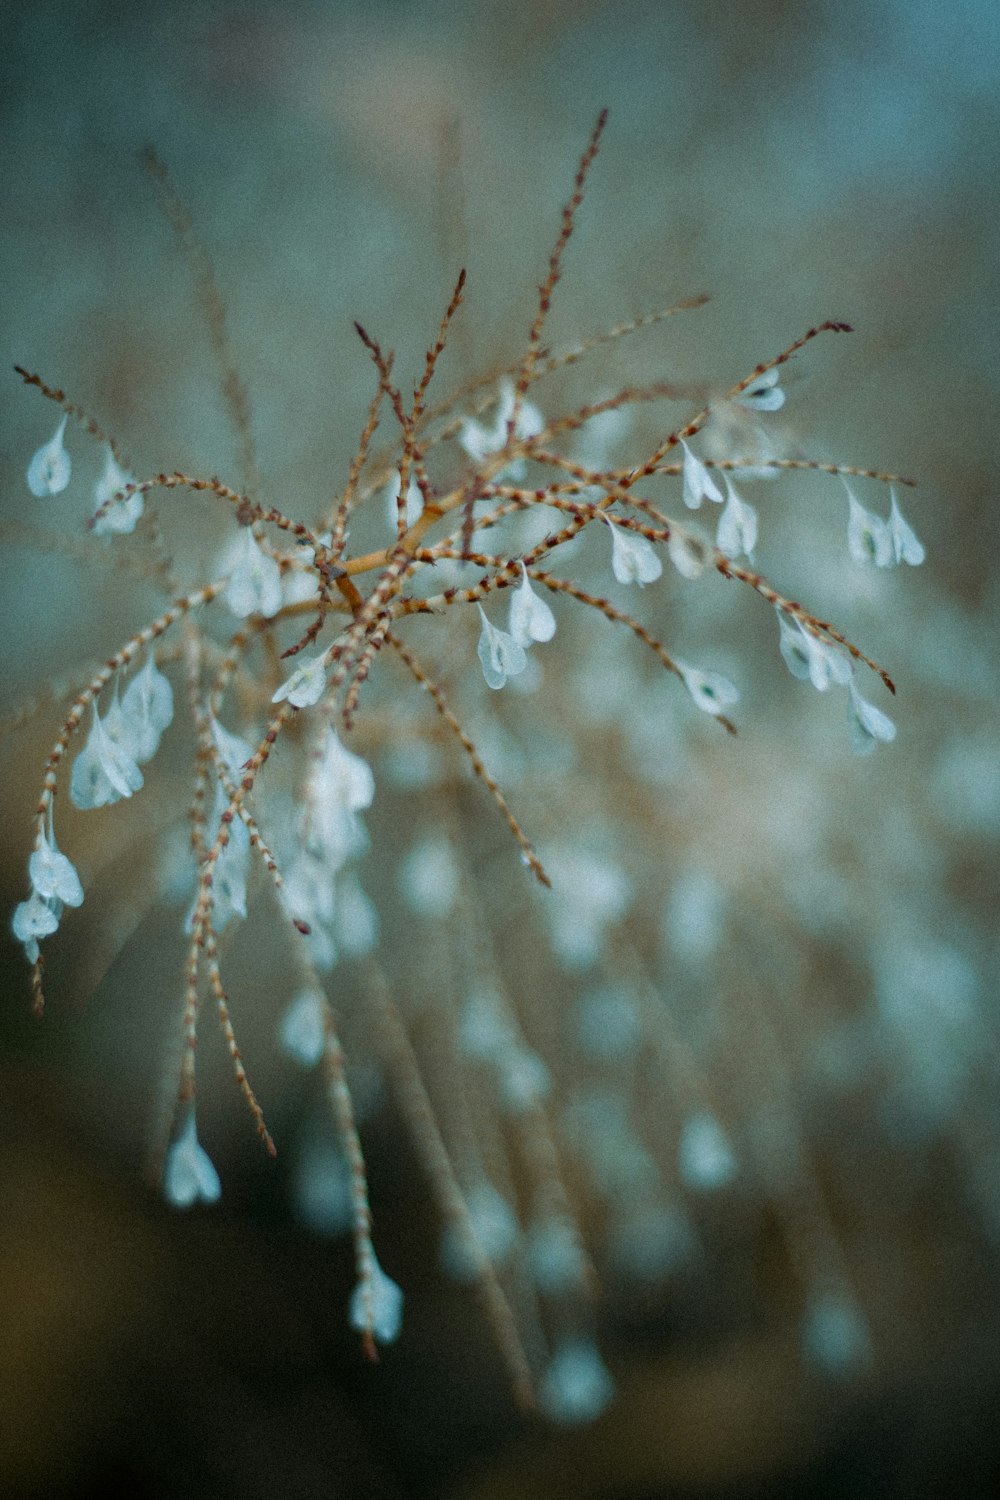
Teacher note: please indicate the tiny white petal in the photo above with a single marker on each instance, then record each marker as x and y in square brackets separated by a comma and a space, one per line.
[737, 530]
[33, 919]
[710, 690]
[147, 709]
[188, 1173]
[50, 468]
[868, 536]
[500, 656]
[377, 1304]
[906, 545]
[306, 684]
[234, 750]
[633, 557]
[530, 618]
[698, 482]
[705, 1157]
[868, 724]
[121, 516]
[685, 554]
[576, 1387]
[254, 586]
[103, 771]
[53, 875]
[764, 393]
[414, 503]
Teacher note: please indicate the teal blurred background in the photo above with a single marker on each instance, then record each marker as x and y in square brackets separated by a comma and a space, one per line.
[798, 162]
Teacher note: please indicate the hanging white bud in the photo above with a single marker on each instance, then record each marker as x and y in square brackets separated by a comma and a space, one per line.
[685, 553]
[530, 618]
[480, 441]
[764, 393]
[633, 558]
[906, 545]
[868, 724]
[234, 750]
[302, 1029]
[500, 656]
[737, 530]
[121, 516]
[103, 771]
[710, 690]
[306, 684]
[868, 537]
[377, 1305]
[147, 709]
[33, 919]
[188, 1173]
[52, 875]
[698, 482]
[254, 586]
[808, 658]
[50, 468]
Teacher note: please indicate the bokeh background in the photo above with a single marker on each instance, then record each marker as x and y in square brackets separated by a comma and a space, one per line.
[797, 161]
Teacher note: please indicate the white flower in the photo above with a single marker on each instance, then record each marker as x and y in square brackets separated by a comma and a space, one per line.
[306, 684]
[302, 1031]
[414, 503]
[764, 393]
[710, 690]
[120, 517]
[906, 545]
[633, 557]
[698, 482]
[52, 875]
[343, 777]
[33, 919]
[479, 441]
[254, 586]
[50, 468]
[685, 554]
[530, 618]
[807, 657]
[188, 1173]
[500, 656]
[103, 771]
[493, 1229]
[377, 1304]
[576, 1387]
[234, 750]
[737, 530]
[868, 724]
[868, 536]
[147, 709]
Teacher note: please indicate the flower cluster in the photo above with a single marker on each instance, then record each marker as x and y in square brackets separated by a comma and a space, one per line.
[463, 486]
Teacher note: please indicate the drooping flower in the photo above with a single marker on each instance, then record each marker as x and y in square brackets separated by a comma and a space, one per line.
[302, 1031]
[809, 658]
[306, 684]
[705, 1157]
[254, 586]
[147, 709]
[868, 724]
[737, 531]
[712, 692]
[906, 545]
[104, 771]
[234, 750]
[697, 481]
[764, 393]
[869, 539]
[530, 618]
[377, 1304]
[52, 875]
[121, 517]
[188, 1173]
[50, 468]
[633, 557]
[500, 656]
[38, 917]
[685, 553]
